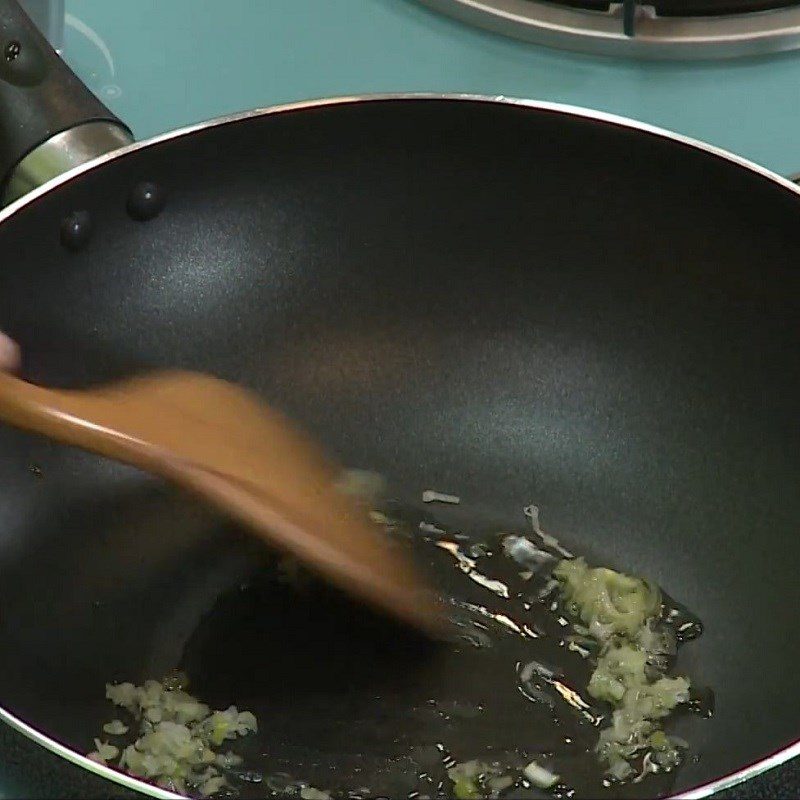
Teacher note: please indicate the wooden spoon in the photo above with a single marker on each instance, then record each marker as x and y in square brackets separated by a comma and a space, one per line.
[222, 442]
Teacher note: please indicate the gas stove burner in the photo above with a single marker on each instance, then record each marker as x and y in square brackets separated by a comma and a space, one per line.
[687, 8]
[661, 29]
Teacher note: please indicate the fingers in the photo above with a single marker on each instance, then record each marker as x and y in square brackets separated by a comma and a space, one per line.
[9, 353]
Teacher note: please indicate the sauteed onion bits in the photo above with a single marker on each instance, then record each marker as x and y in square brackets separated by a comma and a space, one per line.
[563, 672]
[626, 630]
[177, 737]
[623, 615]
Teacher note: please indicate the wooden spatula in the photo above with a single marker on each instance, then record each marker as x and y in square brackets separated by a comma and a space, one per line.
[220, 441]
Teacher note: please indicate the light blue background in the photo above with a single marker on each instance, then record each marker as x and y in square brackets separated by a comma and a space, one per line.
[171, 62]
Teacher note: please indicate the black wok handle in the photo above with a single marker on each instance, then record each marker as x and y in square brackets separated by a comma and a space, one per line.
[49, 121]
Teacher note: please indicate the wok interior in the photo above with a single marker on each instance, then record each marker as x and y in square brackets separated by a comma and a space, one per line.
[510, 304]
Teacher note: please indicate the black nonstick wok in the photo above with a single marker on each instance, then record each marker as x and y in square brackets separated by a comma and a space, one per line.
[506, 300]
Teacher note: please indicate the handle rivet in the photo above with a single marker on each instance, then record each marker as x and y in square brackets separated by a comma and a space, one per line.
[76, 230]
[146, 201]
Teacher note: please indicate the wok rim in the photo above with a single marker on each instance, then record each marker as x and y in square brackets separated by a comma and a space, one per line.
[775, 759]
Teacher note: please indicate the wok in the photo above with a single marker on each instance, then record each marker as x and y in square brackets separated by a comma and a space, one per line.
[511, 301]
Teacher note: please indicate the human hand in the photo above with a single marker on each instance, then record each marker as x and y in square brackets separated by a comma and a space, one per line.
[9, 353]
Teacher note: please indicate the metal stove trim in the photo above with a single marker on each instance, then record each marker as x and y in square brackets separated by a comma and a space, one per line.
[792, 749]
[657, 38]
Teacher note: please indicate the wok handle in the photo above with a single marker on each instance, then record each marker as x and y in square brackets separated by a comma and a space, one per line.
[49, 121]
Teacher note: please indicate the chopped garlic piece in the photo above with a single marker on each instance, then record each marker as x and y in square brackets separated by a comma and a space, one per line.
[539, 776]
[431, 496]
